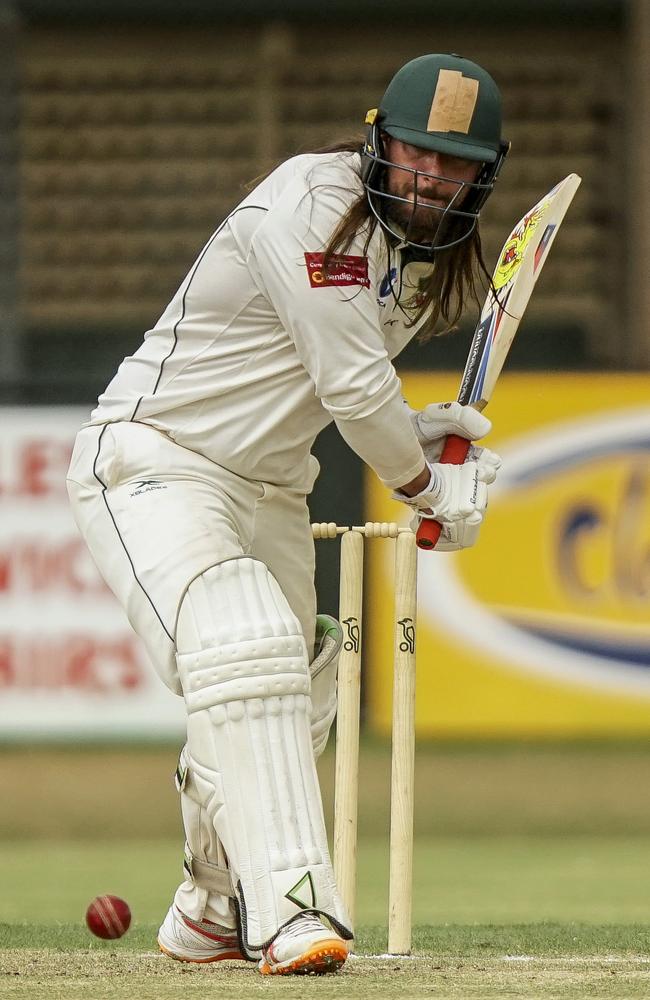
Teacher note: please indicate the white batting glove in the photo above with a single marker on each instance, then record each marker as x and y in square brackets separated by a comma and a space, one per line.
[437, 420]
[463, 533]
[454, 493]
[455, 535]
[488, 463]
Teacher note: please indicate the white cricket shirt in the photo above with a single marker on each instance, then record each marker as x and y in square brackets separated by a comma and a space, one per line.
[258, 351]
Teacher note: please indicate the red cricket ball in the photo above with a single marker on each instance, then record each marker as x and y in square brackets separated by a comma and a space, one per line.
[108, 917]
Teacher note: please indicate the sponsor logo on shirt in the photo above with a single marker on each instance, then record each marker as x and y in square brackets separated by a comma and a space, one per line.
[387, 282]
[342, 269]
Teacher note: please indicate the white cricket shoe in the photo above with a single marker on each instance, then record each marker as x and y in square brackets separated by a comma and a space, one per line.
[304, 947]
[188, 940]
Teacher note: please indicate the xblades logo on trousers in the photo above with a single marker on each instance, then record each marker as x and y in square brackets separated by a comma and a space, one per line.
[146, 486]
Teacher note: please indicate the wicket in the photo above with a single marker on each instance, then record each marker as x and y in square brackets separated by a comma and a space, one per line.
[348, 719]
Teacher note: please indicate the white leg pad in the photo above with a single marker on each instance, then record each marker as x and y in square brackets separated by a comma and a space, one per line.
[323, 670]
[207, 891]
[243, 665]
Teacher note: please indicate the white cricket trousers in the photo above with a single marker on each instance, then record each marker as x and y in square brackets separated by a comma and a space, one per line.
[156, 515]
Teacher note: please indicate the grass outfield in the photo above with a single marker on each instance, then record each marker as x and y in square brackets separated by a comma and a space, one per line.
[459, 880]
[531, 877]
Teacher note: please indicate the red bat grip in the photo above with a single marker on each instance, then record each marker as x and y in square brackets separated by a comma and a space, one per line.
[453, 453]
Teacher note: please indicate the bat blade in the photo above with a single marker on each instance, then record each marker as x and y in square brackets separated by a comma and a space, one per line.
[520, 262]
[519, 265]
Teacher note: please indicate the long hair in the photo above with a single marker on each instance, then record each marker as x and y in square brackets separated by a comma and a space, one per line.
[456, 275]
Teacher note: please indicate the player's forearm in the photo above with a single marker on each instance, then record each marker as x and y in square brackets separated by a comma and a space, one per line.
[386, 441]
[418, 484]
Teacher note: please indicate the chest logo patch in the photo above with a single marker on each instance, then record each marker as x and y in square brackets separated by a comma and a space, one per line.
[387, 283]
[342, 269]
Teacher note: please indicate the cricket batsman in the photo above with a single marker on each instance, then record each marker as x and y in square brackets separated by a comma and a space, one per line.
[189, 484]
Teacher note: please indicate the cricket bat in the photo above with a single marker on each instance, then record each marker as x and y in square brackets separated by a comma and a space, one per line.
[520, 262]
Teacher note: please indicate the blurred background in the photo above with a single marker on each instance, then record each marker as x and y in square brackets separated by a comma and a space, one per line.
[126, 135]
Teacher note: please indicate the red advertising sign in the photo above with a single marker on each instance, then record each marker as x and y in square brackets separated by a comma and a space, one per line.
[70, 664]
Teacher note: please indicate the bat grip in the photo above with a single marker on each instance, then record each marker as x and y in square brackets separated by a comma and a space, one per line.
[453, 453]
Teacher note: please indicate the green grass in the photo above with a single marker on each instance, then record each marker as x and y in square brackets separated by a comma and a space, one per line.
[504, 941]
[531, 877]
[457, 879]
[508, 788]
[494, 917]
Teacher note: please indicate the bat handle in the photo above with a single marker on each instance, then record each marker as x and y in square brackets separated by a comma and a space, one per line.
[453, 453]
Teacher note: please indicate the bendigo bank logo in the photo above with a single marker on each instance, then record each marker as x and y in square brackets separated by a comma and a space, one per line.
[340, 269]
[560, 583]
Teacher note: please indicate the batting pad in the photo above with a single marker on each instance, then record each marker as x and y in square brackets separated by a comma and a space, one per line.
[323, 670]
[207, 891]
[243, 665]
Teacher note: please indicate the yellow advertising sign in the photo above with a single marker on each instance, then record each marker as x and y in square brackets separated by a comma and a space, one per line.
[543, 628]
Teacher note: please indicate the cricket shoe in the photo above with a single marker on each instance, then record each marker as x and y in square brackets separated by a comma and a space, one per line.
[304, 947]
[188, 940]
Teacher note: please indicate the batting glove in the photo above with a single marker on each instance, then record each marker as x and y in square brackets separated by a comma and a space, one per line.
[454, 535]
[454, 493]
[438, 420]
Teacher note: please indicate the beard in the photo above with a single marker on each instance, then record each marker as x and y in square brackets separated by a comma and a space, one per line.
[420, 221]
[427, 225]
[420, 225]
[426, 222]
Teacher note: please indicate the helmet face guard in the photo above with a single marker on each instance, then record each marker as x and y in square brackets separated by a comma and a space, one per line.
[451, 224]
[444, 104]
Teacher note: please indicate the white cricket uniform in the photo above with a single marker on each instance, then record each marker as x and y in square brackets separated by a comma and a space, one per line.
[197, 457]
[248, 363]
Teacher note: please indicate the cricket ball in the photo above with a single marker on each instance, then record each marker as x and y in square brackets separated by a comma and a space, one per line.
[108, 917]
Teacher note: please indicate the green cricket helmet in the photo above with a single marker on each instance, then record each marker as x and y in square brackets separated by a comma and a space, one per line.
[449, 105]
